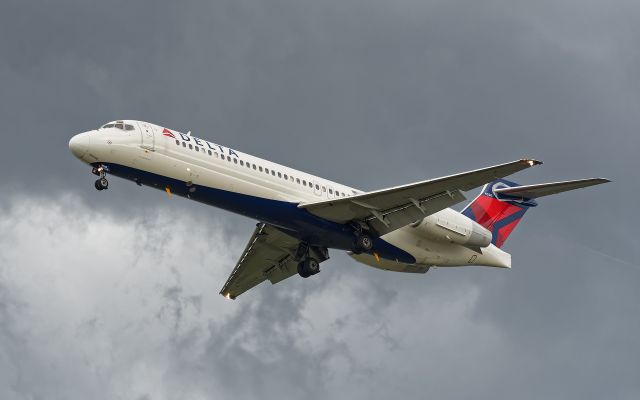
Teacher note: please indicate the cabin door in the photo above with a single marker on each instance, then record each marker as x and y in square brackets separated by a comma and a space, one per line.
[148, 140]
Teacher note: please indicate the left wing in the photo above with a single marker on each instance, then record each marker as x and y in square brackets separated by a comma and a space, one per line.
[390, 209]
[268, 256]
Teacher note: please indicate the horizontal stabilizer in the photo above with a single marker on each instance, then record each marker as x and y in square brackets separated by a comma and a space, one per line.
[546, 189]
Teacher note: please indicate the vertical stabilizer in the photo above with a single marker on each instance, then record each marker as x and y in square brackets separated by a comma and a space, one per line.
[500, 214]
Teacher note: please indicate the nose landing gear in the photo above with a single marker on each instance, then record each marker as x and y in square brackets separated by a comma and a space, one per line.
[101, 183]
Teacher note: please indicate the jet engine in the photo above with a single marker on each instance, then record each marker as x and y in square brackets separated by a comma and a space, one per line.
[453, 227]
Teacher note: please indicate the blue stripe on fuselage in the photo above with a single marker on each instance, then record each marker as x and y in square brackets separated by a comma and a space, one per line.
[295, 221]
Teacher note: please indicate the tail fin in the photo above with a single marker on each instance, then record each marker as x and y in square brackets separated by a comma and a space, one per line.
[498, 213]
[502, 203]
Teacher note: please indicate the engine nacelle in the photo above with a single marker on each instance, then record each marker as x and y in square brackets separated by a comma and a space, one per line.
[453, 227]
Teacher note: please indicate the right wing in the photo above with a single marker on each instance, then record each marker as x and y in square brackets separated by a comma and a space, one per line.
[389, 209]
[268, 256]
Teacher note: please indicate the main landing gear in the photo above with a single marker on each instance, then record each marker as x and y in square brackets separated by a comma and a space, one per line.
[363, 243]
[308, 267]
[101, 183]
[308, 259]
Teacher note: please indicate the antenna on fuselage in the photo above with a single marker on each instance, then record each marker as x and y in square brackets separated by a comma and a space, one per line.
[189, 133]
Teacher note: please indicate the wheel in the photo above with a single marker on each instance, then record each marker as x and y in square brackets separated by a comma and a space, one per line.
[363, 243]
[308, 267]
[312, 266]
[102, 184]
[301, 270]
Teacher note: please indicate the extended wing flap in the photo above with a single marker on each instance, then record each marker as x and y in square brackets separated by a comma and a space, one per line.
[389, 209]
[547, 189]
[267, 256]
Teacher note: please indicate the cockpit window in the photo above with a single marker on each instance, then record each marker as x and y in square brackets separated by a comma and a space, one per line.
[120, 125]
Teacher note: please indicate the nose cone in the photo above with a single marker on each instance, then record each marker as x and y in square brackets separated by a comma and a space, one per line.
[79, 144]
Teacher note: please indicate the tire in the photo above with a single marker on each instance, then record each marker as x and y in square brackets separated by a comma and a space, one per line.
[308, 267]
[312, 266]
[301, 270]
[363, 243]
[104, 183]
[97, 185]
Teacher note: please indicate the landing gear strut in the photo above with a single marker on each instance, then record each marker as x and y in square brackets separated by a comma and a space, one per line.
[102, 183]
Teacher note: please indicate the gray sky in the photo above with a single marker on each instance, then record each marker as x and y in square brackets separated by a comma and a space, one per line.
[115, 294]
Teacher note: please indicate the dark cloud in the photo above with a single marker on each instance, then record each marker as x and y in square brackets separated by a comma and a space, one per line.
[371, 94]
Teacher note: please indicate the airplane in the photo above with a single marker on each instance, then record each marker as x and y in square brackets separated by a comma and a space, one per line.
[408, 228]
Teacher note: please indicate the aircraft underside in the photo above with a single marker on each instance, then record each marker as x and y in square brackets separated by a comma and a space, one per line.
[286, 216]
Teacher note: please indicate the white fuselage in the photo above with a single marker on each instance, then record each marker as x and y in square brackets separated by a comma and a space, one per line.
[168, 160]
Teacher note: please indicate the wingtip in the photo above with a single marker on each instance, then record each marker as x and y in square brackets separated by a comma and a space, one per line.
[596, 181]
[531, 161]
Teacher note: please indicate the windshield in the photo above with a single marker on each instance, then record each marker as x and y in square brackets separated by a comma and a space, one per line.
[118, 125]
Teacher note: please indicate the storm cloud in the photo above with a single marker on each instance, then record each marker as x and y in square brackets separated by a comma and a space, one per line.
[115, 294]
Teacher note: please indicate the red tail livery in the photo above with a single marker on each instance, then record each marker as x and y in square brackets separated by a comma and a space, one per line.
[499, 213]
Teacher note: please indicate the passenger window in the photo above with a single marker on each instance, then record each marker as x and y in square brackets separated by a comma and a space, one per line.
[184, 144]
[279, 175]
[317, 187]
[286, 177]
[190, 146]
[209, 152]
[324, 189]
[298, 181]
[260, 169]
[197, 148]
[229, 158]
[177, 143]
[273, 172]
[330, 191]
[241, 163]
[304, 182]
[235, 160]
